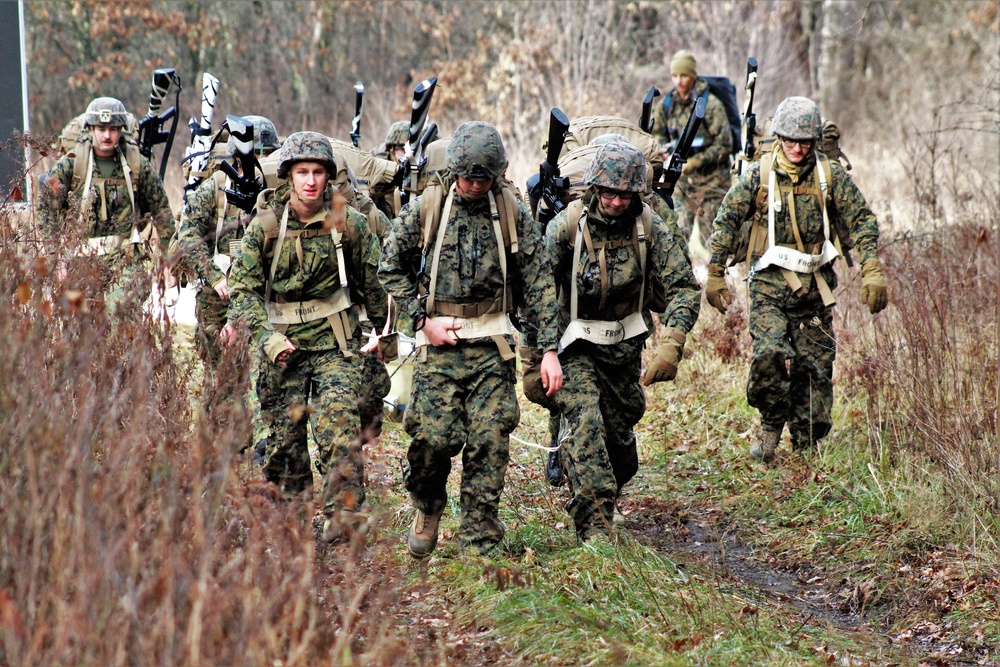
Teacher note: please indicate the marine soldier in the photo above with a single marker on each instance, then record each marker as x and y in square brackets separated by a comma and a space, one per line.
[308, 263]
[615, 261]
[460, 258]
[804, 211]
[705, 177]
[209, 235]
[123, 209]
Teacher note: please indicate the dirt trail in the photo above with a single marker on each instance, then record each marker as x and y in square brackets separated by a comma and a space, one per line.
[701, 533]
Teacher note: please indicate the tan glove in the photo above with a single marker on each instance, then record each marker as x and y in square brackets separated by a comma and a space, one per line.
[663, 365]
[873, 293]
[716, 289]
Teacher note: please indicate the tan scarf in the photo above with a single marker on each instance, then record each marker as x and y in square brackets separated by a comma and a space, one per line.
[784, 165]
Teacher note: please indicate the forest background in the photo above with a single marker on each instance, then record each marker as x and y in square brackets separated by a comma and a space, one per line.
[893, 74]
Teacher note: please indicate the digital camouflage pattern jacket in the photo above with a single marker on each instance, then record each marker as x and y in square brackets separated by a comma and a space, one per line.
[314, 276]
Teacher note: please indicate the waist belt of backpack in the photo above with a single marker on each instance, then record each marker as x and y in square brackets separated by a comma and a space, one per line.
[334, 307]
[484, 323]
[105, 245]
[602, 332]
[794, 259]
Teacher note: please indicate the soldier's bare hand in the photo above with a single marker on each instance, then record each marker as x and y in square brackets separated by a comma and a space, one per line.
[282, 358]
[441, 332]
[169, 279]
[552, 374]
[222, 288]
[229, 335]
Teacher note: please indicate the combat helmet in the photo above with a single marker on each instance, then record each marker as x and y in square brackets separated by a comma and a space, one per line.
[618, 165]
[476, 152]
[399, 134]
[265, 136]
[306, 147]
[608, 138]
[797, 119]
[105, 112]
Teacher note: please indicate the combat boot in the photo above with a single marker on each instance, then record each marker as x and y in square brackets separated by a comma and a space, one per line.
[763, 450]
[554, 472]
[423, 535]
[341, 526]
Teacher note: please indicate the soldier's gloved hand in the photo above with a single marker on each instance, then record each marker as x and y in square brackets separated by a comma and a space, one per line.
[716, 289]
[873, 292]
[663, 365]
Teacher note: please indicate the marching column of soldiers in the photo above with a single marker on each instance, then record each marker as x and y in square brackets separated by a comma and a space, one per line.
[334, 242]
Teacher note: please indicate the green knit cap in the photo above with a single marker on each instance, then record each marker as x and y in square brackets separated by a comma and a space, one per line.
[683, 62]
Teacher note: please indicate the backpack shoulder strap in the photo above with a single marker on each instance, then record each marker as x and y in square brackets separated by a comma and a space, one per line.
[134, 162]
[668, 103]
[81, 160]
[268, 223]
[824, 164]
[430, 212]
[766, 161]
[507, 209]
[567, 230]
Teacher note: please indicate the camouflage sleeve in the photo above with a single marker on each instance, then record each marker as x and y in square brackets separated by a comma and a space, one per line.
[196, 231]
[401, 258]
[540, 306]
[715, 130]
[854, 211]
[659, 118]
[246, 285]
[365, 253]
[52, 196]
[153, 200]
[737, 206]
[672, 267]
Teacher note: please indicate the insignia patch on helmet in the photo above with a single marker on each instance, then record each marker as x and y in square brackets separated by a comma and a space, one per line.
[105, 115]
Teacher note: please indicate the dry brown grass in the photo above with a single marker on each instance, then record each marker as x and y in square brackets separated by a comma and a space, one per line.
[129, 537]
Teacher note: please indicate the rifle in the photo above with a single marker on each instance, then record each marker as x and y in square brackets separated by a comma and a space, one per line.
[359, 103]
[150, 127]
[749, 118]
[551, 187]
[645, 122]
[246, 186]
[682, 152]
[414, 150]
[201, 132]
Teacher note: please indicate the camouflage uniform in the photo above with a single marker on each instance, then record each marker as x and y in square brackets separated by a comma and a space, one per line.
[198, 244]
[317, 374]
[464, 396]
[601, 399]
[706, 176]
[108, 203]
[791, 375]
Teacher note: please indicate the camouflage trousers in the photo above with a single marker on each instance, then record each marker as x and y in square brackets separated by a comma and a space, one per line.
[600, 402]
[375, 386]
[698, 202]
[791, 375]
[463, 401]
[125, 277]
[211, 313]
[325, 384]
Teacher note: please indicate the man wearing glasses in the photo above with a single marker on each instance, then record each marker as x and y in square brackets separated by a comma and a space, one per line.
[803, 212]
[614, 262]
